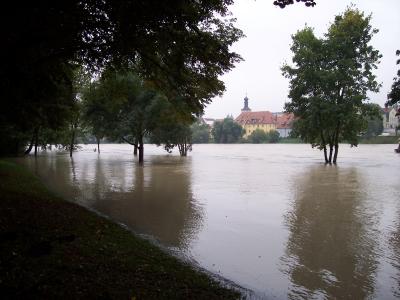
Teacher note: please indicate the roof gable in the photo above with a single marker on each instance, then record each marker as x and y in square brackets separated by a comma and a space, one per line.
[255, 117]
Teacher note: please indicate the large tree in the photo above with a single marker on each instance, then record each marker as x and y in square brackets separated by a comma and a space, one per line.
[330, 80]
[181, 46]
[284, 3]
[394, 95]
[130, 109]
[200, 133]
[226, 131]
[174, 134]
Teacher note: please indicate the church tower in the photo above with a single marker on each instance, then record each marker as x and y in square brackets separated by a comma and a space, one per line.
[246, 104]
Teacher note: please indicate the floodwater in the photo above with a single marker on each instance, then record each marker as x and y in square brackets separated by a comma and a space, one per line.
[272, 218]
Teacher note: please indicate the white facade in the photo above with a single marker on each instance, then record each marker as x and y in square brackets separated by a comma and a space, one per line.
[284, 132]
[390, 120]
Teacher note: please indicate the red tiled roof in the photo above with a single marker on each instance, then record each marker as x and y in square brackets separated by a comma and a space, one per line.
[285, 121]
[265, 117]
[256, 117]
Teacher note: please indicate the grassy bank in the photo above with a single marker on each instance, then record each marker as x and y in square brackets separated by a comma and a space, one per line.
[290, 141]
[371, 140]
[380, 140]
[51, 248]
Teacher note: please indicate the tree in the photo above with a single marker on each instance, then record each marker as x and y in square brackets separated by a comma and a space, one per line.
[182, 47]
[374, 124]
[173, 134]
[226, 131]
[284, 3]
[273, 136]
[173, 128]
[330, 81]
[374, 128]
[394, 95]
[137, 108]
[133, 110]
[258, 136]
[98, 112]
[200, 133]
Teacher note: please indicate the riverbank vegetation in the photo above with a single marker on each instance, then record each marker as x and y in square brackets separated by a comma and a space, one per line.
[51, 248]
[177, 51]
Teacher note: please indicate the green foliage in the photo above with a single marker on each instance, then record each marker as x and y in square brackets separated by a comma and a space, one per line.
[180, 47]
[330, 81]
[200, 133]
[379, 140]
[284, 3]
[394, 95]
[173, 135]
[226, 131]
[374, 125]
[259, 136]
[123, 107]
[273, 136]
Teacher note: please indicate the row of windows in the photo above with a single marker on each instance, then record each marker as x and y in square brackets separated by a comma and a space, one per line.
[258, 125]
[249, 131]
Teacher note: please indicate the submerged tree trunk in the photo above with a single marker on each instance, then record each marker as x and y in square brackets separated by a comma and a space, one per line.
[326, 155]
[27, 151]
[135, 147]
[141, 150]
[325, 152]
[98, 144]
[336, 153]
[336, 143]
[330, 152]
[182, 149]
[36, 140]
[71, 146]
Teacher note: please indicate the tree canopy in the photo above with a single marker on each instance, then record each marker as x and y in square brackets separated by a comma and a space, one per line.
[200, 133]
[330, 80]
[284, 3]
[394, 95]
[226, 131]
[180, 47]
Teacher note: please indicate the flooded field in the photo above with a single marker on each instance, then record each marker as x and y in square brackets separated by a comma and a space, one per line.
[272, 218]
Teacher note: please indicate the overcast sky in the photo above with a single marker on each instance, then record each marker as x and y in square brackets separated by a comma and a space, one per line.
[266, 47]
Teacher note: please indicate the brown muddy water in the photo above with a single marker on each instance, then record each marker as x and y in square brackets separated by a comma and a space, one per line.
[271, 218]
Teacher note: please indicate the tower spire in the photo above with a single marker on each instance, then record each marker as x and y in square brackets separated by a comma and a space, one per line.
[246, 104]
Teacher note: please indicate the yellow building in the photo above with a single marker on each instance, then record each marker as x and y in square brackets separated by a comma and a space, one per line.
[264, 120]
[251, 121]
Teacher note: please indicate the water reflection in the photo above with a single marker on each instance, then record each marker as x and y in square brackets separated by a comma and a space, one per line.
[339, 238]
[159, 203]
[394, 257]
[155, 199]
[333, 242]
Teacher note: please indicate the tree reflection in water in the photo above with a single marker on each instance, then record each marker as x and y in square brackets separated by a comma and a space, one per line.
[155, 199]
[159, 201]
[333, 242]
[394, 257]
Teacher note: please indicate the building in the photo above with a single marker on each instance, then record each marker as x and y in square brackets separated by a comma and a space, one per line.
[264, 120]
[251, 121]
[284, 124]
[246, 104]
[390, 119]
